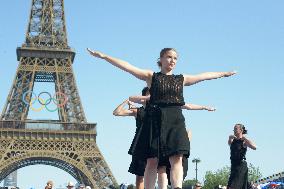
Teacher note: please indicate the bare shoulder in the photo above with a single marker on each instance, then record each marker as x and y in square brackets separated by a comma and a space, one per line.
[149, 75]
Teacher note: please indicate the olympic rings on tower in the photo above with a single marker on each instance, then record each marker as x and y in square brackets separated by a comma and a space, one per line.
[59, 99]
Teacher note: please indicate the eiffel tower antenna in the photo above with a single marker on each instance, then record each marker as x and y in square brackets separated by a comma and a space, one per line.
[68, 143]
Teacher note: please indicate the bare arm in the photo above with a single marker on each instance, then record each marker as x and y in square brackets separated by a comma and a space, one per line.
[197, 107]
[231, 138]
[141, 74]
[139, 99]
[120, 110]
[249, 143]
[192, 79]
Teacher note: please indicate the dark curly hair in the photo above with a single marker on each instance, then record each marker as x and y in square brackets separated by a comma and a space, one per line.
[145, 90]
[243, 128]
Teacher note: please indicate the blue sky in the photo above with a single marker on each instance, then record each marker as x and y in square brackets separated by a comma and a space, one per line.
[247, 36]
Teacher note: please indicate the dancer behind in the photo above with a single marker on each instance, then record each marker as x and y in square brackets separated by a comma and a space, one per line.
[164, 135]
[238, 144]
[137, 165]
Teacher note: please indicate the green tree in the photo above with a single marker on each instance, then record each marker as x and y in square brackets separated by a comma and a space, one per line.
[221, 176]
[253, 173]
[188, 184]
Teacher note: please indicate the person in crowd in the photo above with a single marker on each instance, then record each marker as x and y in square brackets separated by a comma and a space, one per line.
[49, 184]
[197, 185]
[70, 185]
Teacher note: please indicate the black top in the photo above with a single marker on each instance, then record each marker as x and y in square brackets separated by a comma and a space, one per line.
[140, 116]
[238, 151]
[167, 90]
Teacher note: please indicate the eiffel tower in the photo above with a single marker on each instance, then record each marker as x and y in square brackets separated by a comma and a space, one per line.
[68, 143]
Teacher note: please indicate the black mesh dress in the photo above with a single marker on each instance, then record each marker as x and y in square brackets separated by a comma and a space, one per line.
[239, 171]
[164, 133]
[137, 165]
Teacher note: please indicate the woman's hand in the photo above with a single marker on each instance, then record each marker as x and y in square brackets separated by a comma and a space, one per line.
[131, 104]
[228, 74]
[210, 109]
[231, 137]
[96, 53]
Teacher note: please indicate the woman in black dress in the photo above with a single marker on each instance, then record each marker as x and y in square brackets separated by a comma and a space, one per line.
[239, 171]
[137, 166]
[163, 133]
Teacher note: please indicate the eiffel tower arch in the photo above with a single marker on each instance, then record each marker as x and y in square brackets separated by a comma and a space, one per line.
[68, 143]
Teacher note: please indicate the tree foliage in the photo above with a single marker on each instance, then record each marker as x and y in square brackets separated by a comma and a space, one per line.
[253, 173]
[221, 176]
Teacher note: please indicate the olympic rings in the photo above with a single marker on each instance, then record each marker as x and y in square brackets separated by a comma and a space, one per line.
[49, 100]
[25, 95]
[59, 99]
[38, 109]
[60, 94]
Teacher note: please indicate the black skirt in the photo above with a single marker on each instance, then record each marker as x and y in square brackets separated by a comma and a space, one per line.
[239, 176]
[137, 166]
[163, 133]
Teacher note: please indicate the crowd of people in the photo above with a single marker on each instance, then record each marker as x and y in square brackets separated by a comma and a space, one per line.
[69, 185]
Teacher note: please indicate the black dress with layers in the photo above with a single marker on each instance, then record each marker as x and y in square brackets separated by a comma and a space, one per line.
[163, 133]
[239, 171]
[137, 165]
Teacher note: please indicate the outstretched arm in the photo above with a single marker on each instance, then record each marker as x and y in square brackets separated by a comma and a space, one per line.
[141, 74]
[120, 110]
[139, 99]
[249, 143]
[197, 107]
[192, 79]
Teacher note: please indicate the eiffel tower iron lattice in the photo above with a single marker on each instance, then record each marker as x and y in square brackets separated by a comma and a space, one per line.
[68, 143]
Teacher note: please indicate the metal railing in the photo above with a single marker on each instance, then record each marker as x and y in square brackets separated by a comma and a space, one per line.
[47, 125]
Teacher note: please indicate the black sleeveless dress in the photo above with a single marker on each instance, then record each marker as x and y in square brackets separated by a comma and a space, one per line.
[137, 165]
[163, 133]
[239, 171]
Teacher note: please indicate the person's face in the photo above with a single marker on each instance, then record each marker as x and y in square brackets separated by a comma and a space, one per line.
[169, 60]
[237, 130]
[49, 185]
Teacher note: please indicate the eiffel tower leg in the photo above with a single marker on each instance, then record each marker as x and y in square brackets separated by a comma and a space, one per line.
[65, 83]
[15, 108]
